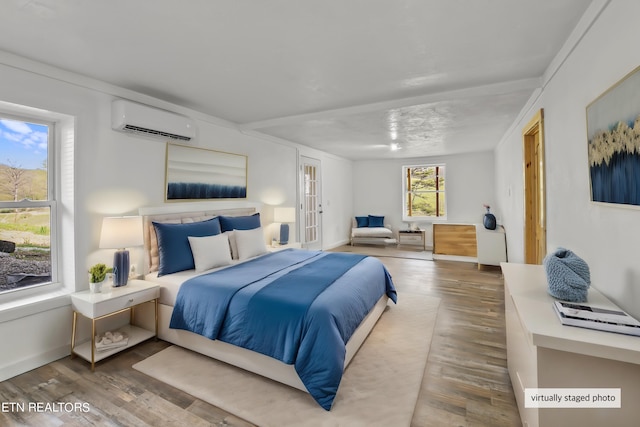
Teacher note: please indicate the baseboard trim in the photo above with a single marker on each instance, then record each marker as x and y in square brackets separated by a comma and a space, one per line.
[336, 245]
[33, 362]
[455, 258]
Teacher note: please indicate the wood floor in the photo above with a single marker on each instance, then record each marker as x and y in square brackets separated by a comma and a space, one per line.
[465, 384]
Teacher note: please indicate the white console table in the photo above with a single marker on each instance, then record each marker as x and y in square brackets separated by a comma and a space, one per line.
[543, 353]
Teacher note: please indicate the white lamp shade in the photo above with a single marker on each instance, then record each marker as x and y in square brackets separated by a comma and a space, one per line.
[284, 215]
[121, 232]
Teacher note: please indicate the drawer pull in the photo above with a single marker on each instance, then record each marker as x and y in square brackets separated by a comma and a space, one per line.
[130, 300]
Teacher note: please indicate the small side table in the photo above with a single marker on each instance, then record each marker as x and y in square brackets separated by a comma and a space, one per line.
[413, 237]
[112, 301]
[294, 245]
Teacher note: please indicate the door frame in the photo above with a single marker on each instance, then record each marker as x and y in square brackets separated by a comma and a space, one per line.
[317, 244]
[535, 218]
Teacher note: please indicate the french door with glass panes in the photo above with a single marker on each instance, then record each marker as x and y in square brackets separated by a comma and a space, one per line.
[311, 203]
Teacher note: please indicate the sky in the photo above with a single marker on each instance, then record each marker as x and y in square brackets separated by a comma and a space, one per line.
[23, 145]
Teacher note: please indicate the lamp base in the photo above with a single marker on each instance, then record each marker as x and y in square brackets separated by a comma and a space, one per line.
[120, 268]
[284, 234]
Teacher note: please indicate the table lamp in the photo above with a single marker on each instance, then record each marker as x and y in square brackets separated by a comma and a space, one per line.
[284, 216]
[119, 233]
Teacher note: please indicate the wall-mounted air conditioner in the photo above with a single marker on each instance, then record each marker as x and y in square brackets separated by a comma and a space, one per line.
[127, 116]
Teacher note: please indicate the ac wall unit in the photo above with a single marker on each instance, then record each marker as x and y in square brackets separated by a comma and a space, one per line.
[127, 116]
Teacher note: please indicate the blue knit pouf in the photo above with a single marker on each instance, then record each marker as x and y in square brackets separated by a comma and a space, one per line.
[567, 275]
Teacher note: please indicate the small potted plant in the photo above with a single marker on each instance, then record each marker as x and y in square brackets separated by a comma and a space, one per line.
[97, 275]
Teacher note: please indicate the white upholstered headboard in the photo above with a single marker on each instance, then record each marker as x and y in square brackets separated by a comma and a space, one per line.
[184, 213]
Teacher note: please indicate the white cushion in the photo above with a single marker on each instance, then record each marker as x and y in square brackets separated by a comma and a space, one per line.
[210, 251]
[371, 232]
[250, 243]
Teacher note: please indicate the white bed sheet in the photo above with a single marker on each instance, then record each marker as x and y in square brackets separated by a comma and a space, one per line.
[170, 283]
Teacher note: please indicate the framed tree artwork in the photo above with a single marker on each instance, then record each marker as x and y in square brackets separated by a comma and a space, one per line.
[194, 173]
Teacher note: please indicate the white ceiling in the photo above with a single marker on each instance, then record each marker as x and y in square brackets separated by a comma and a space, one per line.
[343, 76]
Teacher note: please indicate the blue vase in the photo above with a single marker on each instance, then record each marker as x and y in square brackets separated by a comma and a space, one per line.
[120, 268]
[489, 221]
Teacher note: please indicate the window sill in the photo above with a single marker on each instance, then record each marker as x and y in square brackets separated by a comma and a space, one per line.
[55, 297]
[424, 219]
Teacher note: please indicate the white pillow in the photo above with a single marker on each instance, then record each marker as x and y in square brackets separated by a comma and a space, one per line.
[232, 243]
[210, 251]
[250, 243]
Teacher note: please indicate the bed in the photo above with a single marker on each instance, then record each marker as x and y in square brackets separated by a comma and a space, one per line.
[348, 304]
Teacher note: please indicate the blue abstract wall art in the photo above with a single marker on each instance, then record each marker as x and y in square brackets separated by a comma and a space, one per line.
[613, 129]
[194, 173]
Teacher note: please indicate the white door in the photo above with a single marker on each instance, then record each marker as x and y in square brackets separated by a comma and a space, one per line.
[311, 204]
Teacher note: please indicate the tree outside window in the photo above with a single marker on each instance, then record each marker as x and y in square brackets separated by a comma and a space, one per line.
[424, 192]
[26, 203]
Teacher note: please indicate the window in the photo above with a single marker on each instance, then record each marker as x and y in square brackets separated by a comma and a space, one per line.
[27, 203]
[423, 192]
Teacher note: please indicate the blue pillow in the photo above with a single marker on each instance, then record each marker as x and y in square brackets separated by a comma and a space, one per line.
[376, 221]
[173, 243]
[248, 222]
[362, 221]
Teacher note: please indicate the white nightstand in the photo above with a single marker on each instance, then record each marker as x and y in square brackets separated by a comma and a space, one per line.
[294, 245]
[109, 302]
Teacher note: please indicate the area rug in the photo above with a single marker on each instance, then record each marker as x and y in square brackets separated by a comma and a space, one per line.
[387, 251]
[379, 387]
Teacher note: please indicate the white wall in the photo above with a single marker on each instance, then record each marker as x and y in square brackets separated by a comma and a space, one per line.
[377, 186]
[337, 196]
[606, 236]
[116, 173]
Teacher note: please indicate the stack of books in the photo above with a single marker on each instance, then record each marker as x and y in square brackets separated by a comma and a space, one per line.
[111, 340]
[586, 316]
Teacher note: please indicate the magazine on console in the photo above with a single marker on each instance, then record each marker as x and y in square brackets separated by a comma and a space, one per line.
[602, 319]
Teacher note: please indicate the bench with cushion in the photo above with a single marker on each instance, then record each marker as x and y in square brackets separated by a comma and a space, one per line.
[371, 230]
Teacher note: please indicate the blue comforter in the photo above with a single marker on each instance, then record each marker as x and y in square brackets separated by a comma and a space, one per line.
[297, 306]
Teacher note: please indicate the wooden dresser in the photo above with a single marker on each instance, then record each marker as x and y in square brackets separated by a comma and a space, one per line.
[455, 239]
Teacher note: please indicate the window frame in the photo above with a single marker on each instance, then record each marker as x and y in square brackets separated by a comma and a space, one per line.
[51, 203]
[406, 191]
